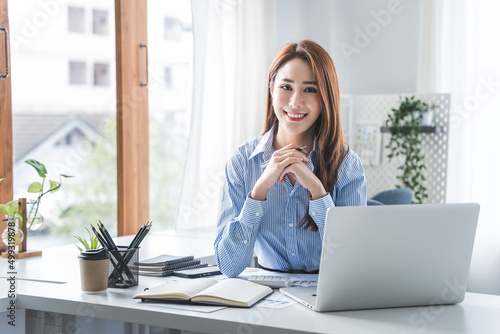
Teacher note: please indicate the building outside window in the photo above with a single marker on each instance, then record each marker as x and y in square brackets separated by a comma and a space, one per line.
[73, 113]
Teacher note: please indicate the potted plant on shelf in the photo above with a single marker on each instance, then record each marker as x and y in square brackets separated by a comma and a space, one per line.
[404, 124]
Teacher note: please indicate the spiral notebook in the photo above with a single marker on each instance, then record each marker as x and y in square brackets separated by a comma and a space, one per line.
[164, 260]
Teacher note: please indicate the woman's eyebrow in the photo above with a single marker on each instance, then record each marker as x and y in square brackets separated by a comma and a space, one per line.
[303, 82]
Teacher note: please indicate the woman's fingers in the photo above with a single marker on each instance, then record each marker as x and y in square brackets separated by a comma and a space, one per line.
[279, 157]
[288, 161]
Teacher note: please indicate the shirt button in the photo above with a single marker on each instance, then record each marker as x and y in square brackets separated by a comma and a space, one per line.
[244, 241]
[291, 225]
[293, 254]
[257, 214]
[313, 213]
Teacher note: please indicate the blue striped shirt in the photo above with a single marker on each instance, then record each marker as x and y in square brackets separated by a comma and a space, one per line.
[270, 226]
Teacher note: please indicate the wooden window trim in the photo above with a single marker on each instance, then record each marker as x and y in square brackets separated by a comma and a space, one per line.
[132, 115]
[6, 186]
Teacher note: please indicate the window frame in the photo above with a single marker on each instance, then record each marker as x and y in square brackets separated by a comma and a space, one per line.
[132, 117]
[6, 155]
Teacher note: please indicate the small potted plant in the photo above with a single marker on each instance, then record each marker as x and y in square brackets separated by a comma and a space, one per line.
[94, 264]
[404, 125]
[91, 243]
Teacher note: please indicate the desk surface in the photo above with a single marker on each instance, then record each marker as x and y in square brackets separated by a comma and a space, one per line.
[477, 314]
[59, 264]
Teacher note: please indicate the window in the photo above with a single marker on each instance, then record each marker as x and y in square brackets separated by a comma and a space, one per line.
[172, 28]
[77, 73]
[170, 64]
[63, 121]
[101, 74]
[100, 22]
[76, 19]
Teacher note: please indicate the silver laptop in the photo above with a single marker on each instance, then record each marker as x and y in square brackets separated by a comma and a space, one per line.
[392, 256]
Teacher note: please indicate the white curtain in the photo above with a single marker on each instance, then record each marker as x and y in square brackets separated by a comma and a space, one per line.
[429, 61]
[232, 40]
[468, 66]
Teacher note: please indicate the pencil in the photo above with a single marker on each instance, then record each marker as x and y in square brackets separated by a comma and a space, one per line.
[99, 237]
[106, 235]
[132, 243]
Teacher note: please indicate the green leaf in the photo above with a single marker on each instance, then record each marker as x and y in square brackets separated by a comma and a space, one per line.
[93, 242]
[12, 207]
[40, 168]
[54, 186]
[66, 176]
[35, 187]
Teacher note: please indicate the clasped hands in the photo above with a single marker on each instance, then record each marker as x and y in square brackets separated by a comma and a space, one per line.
[288, 161]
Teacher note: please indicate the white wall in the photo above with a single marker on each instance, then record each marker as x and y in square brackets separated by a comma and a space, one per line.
[374, 43]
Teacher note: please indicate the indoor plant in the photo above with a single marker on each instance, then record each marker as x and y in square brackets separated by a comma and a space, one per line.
[35, 219]
[12, 234]
[404, 125]
[92, 243]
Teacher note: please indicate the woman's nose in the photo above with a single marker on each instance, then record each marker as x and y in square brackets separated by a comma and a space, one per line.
[296, 100]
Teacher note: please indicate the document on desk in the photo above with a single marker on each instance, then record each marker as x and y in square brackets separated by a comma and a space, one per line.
[276, 300]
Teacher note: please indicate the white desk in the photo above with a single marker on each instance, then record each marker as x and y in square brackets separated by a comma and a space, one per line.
[477, 314]
[60, 264]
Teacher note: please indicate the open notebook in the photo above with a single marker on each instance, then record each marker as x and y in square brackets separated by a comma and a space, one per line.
[229, 292]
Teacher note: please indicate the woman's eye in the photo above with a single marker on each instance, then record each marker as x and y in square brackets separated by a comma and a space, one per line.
[311, 90]
[286, 87]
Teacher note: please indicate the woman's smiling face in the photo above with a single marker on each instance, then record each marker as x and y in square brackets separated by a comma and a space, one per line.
[296, 99]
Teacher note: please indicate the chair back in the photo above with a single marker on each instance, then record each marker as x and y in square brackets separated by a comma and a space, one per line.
[394, 196]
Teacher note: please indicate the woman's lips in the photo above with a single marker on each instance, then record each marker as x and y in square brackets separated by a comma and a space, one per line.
[295, 116]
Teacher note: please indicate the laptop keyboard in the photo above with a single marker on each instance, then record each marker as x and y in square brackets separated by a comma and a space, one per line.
[271, 281]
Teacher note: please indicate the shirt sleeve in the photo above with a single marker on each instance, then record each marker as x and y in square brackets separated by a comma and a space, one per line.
[350, 190]
[239, 221]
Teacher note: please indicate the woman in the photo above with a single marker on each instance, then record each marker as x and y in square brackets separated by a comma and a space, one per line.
[279, 186]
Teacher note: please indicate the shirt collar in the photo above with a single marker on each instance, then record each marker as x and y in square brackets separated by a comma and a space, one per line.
[265, 146]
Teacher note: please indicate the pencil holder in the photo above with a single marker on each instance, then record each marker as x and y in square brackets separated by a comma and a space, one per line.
[122, 272]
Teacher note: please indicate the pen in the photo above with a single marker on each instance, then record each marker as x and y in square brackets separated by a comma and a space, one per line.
[264, 165]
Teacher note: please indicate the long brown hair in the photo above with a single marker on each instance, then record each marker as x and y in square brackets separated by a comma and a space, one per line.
[330, 143]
